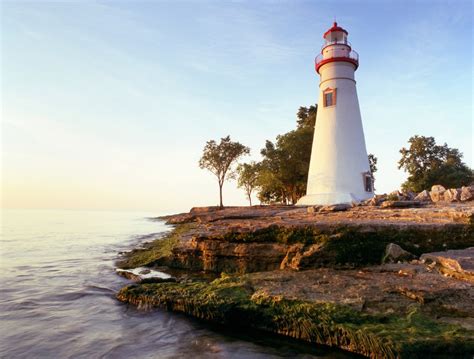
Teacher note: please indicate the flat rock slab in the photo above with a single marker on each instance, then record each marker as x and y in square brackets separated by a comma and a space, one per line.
[378, 289]
[402, 204]
[263, 216]
[458, 263]
[388, 311]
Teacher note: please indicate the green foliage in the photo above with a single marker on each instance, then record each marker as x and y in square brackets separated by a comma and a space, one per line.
[372, 163]
[307, 116]
[248, 174]
[284, 168]
[428, 164]
[219, 159]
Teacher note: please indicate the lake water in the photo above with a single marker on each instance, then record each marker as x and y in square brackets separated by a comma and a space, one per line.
[58, 286]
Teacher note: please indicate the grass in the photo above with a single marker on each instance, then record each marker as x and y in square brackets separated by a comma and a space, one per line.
[152, 251]
[233, 301]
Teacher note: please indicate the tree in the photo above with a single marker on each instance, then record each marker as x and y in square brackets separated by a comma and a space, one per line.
[248, 178]
[285, 164]
[307, 116]
[284, 169]
[372, 166]
[270, 188]
[428, 164]
[219, 158]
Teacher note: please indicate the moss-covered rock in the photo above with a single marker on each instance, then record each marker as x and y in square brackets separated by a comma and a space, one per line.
[235, 302]
[243, 240]
[269, 248]
[154, 250]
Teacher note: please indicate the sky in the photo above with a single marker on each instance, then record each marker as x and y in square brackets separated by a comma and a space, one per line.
[108, 104]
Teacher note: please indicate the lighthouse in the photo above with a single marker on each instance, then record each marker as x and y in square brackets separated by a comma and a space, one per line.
[339, 170]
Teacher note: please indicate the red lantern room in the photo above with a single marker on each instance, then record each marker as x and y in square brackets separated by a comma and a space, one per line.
[335, 34]
[336, 48]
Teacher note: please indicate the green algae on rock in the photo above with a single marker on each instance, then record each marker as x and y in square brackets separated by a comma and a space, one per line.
[298, 248]
[152, 251]
[239, 302]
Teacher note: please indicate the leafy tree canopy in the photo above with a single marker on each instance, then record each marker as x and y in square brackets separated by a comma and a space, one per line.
[219, 159]
[306, 116]
[428, 164]
[372, 164]
[285, 164]
[248, 178]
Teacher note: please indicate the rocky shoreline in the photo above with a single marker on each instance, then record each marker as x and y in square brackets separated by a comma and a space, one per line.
[381, 281]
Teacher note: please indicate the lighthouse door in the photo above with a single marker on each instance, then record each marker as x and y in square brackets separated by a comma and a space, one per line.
[368, 182]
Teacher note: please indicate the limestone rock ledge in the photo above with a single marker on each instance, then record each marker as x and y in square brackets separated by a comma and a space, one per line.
[389, 311]
[252, 239]
[316, 275]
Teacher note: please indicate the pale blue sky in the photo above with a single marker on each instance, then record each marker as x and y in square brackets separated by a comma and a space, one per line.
[108, 104]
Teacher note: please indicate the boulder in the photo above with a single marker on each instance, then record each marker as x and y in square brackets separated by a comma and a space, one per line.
[395, 196]
[371, 202]
[401, 204]
[458, 263]
[329, 208]
[375, 201]
[467, 193]
[423, 196]
[452, 195]
[437, 193]
[394, 253]
[437, 188]
[336, 207]
[408, 195]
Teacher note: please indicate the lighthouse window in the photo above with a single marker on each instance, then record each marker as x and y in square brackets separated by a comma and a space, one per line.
[329, 97]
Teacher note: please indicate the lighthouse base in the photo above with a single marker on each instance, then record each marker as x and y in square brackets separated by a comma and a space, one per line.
[332, 198]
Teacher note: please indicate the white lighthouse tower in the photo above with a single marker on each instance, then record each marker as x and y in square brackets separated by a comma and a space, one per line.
[339, 170]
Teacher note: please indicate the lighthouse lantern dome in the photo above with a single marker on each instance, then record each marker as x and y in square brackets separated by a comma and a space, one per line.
[336, 48]
[335, 34]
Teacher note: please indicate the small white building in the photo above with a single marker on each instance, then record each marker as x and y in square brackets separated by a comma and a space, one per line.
[339, 170]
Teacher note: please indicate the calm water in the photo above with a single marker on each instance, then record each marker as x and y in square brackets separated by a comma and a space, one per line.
[57, 296]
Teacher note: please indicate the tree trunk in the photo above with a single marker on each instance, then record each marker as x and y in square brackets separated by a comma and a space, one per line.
[250, 200]
[220, 196]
